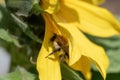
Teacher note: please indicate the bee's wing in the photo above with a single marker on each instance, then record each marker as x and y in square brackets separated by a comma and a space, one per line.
[66, 50]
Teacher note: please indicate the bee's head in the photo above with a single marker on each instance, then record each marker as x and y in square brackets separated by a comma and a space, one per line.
[53, 38]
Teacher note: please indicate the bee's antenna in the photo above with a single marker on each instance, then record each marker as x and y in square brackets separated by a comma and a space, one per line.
[49, 55]
[52, 38]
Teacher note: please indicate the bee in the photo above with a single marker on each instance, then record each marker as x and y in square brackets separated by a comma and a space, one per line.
[60, 44]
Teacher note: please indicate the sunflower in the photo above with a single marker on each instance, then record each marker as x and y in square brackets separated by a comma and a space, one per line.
[71, 19]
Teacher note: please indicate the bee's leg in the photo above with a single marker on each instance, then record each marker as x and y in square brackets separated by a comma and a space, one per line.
[61, 57]
[66, 55]
[56, 50]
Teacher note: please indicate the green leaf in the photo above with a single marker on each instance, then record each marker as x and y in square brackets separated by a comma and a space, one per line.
[114, 57]
[21, 7]
[36, 9]
[15, 25]
[6, 21]
[70, 74]
[96, 75]
[19, 74]
[111, 76]
[26, 30]
[9, 38]
[118, 17]
[5, 35]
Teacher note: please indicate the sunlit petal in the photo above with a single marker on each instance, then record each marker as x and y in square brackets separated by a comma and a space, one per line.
[83, 65]
[70, 18]
[50, 6]
[48, 66]
[90, 19]
[96, 2]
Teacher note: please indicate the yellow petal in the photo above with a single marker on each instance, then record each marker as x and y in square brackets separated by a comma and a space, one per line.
[96, 2]
[88, 18]
[84, 47]
[48, 68]
[83, 65]
[95, 53]
[50, 6]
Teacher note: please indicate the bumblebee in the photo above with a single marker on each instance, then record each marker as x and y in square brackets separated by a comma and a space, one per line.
[60, 44]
